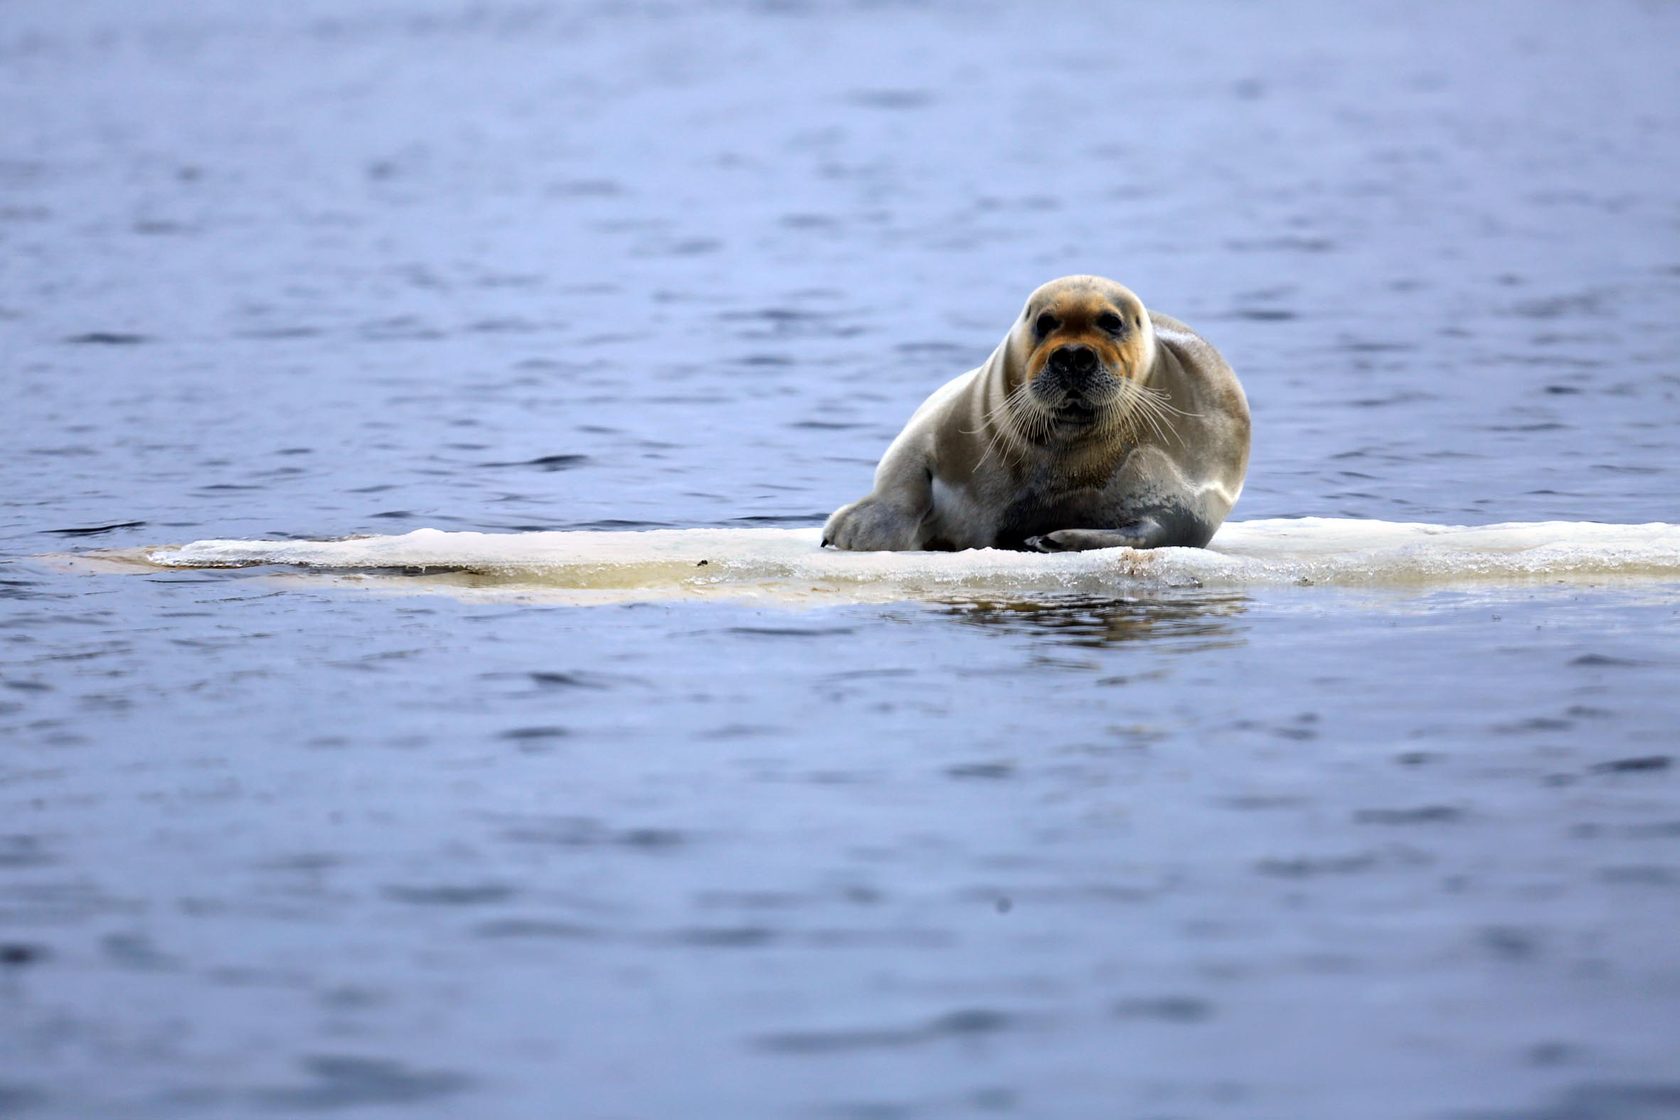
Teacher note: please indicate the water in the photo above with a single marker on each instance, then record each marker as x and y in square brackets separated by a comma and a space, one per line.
[271, 844]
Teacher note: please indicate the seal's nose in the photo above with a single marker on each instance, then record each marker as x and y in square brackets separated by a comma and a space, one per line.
[1079, 360]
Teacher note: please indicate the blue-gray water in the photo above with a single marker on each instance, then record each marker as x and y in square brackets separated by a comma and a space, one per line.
[316, 269]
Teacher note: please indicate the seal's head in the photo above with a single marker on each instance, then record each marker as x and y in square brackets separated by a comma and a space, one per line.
[1082, 347]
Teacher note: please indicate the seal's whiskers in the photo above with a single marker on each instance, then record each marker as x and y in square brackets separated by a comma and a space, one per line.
[1003, 419]
[1142, 404]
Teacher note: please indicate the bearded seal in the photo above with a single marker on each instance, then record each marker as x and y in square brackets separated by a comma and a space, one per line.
[1096, 423]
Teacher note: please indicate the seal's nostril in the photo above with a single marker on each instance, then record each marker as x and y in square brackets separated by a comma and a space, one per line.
[1074, 359]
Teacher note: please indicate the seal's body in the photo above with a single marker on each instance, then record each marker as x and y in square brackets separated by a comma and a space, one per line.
[1095, 423]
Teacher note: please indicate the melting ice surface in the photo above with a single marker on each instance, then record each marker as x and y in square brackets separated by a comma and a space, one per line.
[789, 563]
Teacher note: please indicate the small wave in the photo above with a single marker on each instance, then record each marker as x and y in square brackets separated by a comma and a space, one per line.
[790, 564]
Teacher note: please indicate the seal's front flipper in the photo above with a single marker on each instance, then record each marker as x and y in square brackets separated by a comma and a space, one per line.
[1142, 533]
[873, 525]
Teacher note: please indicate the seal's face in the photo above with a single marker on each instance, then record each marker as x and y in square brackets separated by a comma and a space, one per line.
[1083, 339]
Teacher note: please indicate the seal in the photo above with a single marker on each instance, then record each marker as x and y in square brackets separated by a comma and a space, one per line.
[1096, 423]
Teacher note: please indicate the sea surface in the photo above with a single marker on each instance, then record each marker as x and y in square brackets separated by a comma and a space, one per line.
[413, 834]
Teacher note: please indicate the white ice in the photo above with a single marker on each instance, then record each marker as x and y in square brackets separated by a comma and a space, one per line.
[789, 564]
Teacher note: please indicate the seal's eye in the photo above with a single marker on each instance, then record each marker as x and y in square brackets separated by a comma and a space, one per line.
[1046, 323]
[1111, 322]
